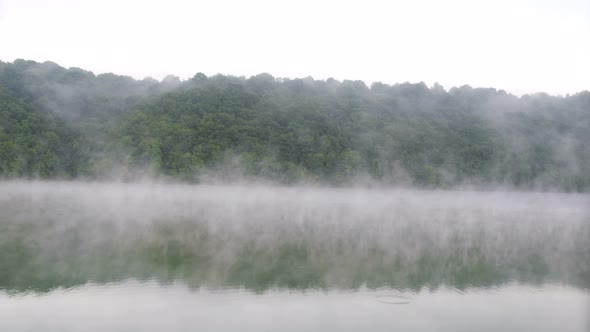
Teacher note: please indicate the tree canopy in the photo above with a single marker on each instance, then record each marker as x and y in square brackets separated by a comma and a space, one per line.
[57, 122]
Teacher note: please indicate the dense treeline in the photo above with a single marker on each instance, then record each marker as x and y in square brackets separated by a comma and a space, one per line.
[58, 122]
[34, 142]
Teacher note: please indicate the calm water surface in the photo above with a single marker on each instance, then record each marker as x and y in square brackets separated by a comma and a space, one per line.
[153, 257]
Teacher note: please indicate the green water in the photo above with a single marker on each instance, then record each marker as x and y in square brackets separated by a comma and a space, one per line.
[153, 257]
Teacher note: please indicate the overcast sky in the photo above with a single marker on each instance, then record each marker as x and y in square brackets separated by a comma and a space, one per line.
[520, 46]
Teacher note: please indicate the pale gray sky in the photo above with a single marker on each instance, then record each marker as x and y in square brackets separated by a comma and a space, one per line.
[521, 46]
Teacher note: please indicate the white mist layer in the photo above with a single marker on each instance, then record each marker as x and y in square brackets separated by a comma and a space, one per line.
[296, 237]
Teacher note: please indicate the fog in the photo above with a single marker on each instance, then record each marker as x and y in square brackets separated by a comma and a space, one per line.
[62, 234]
[72, 124]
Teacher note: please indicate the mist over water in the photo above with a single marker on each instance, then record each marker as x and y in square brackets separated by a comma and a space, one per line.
[179, 256]
[63, 234]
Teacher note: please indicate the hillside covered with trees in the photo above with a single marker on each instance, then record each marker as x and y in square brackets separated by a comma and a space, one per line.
[67, 123]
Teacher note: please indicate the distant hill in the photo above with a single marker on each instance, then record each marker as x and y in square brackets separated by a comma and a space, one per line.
[65, 123]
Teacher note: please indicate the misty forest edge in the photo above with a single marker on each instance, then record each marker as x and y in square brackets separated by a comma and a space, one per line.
[69, 123]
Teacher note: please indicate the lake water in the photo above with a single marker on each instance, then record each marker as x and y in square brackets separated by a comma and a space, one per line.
[153, 257]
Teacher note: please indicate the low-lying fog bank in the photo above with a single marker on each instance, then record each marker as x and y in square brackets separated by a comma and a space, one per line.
[69, 233]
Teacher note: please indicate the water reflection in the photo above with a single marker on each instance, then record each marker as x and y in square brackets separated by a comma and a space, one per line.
[56, 235]
[134, 306]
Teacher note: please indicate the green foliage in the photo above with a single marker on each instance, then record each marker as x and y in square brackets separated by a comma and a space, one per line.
[35, 144]
[288, 130]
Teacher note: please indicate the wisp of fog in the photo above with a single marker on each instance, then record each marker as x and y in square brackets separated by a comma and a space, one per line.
[63, 234]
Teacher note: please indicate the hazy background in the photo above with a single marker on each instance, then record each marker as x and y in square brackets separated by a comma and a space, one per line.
[334, 242]
[519, 46]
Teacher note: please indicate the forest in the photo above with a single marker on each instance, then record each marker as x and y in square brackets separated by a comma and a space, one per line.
[59, 123]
